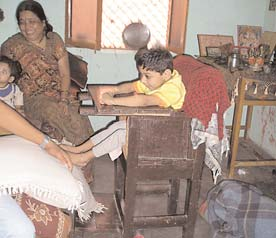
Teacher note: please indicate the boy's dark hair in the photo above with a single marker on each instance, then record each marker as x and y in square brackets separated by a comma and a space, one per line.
[15, 66]
[154, 59]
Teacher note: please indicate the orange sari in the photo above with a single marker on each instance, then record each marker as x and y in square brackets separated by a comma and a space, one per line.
[40, 83]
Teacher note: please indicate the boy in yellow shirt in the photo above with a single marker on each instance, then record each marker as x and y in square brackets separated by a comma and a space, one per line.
[158, 85]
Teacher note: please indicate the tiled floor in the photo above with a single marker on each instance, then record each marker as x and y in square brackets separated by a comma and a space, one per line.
[103, 184]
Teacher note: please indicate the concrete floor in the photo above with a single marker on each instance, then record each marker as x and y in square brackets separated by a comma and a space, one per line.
[103, 183]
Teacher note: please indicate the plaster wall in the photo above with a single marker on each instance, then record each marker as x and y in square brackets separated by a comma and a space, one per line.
[204, 17]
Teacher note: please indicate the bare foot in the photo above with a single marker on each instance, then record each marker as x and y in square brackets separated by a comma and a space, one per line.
[69, 148]
[80, 159]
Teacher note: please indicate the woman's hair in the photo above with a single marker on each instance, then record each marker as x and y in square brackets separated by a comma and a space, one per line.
[15, 66]
[154, 59]
[37, 9]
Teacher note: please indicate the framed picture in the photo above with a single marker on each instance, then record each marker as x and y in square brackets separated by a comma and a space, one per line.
[213, 52]
[269, 38]
[249, 36]
[272, 5]
[205, 41]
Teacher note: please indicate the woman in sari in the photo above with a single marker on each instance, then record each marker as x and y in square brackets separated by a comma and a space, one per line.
[45, 80]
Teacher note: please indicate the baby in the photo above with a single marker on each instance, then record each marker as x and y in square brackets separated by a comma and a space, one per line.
[9, 92]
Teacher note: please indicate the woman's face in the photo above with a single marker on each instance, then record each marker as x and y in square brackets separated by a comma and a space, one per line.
[31, 26]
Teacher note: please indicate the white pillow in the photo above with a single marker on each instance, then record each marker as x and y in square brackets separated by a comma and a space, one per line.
[25, 167]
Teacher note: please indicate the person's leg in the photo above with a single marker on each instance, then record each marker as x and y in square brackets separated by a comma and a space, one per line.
[95, 139]
[110, 140]
[14, 223]
[99, 137]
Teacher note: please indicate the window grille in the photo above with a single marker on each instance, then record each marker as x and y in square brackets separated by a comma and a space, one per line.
[98, 24]
[118, 14]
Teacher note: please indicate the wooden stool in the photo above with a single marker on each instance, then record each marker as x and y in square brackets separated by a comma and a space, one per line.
[243, 99]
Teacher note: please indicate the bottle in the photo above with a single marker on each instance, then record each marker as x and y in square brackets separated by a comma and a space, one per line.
[234, 62]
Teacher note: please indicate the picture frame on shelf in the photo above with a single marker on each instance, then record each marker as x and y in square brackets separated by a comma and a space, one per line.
[249, 36]
[269, 37]
[272, 5]
[213, 52]
[206, 40]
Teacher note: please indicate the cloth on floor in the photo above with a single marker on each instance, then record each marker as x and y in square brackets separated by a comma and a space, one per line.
[205, 90]
[89, 204]
[236, 210]
[214, 148]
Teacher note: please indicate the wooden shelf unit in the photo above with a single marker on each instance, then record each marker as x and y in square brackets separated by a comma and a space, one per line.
[243, 99]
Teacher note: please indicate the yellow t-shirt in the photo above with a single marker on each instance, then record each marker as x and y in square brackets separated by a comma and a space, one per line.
[172, 92]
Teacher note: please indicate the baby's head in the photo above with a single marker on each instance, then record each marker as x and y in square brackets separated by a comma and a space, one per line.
[9, 70]
[155, 66]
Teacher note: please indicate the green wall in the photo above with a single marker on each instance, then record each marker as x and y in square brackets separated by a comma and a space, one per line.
[204, 17]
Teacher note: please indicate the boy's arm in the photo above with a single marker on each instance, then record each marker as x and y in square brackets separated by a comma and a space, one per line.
[124, 88]
[127, 87]
[137, 100]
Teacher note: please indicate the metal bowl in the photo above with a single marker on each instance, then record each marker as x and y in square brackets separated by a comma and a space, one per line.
[136, 35]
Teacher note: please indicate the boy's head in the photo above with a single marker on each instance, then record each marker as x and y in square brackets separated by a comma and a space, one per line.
[9, 70]
[155, 66]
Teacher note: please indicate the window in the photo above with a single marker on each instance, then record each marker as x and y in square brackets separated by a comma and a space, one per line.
[98, 24]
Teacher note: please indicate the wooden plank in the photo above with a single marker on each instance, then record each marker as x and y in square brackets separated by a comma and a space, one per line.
[160, 221]
[258, 157]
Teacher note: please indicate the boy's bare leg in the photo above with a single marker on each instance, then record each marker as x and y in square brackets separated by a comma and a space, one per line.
[81, 159]
[79, 149]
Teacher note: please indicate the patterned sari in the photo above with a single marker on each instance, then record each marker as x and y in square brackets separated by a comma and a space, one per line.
[40, 83]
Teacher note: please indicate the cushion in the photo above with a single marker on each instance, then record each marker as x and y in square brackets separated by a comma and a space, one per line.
[25, 167]
[237, 209]
[49, 221]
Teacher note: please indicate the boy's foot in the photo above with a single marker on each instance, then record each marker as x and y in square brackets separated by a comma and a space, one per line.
[79, 159]
[69, 148]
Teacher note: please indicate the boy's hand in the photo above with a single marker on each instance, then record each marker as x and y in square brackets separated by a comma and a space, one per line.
[107, 99]
[111, 90]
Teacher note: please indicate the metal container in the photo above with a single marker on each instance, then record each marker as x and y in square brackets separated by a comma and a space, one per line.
[234, 61]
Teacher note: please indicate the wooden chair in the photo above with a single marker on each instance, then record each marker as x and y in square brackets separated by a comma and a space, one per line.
[158, 148]
[243, 99]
